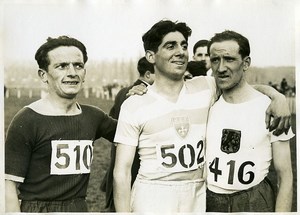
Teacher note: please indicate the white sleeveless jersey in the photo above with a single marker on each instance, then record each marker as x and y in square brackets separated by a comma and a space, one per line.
[169, 136]
[239, 150]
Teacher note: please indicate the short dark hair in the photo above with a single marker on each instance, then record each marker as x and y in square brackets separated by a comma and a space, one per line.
[197, 68]
[153, 38]
[144, 65]
[41, 55]
[200, 43]
[244, 47]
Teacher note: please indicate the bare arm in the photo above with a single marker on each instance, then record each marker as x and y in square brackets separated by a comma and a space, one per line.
[283, 167]
[279, 109]
[11, 197]
[122, 177]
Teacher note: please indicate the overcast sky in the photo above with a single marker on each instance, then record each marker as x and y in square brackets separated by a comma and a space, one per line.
[112, 29]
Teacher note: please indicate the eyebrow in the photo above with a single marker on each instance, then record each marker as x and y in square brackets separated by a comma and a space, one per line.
[226, 57]
[174, 42]
[229, 57]
[169, 43]
[66, 63]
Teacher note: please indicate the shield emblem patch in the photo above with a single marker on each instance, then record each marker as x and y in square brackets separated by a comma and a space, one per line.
[231, 140]
[181, 125]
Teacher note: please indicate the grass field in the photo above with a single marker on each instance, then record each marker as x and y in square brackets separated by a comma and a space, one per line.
[95, 197]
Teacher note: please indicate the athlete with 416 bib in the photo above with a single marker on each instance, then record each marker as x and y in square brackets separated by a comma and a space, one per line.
[239, 147]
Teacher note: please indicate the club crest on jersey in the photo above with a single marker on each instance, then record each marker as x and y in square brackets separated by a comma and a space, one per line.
[231, 140]
[181, 125]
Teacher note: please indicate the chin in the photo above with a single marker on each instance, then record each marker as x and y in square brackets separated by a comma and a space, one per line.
[70, 95]
[223, 86]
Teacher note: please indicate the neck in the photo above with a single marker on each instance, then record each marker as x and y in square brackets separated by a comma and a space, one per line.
[61, 105]
[240, 93]
[168, 88]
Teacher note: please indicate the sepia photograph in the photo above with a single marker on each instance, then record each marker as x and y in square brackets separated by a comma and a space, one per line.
[161, 106]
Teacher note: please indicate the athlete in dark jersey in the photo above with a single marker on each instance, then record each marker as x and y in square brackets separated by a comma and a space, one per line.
[49, 143]
[29, 152]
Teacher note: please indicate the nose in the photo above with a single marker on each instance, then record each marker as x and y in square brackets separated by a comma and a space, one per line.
[71, 69]
[181, 51]
[222, 66]
[202, 57]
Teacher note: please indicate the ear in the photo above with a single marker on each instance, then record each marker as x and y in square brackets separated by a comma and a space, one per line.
[43, 75]
[247, 62]
[84, 76]
[147, 74]
[150, 56]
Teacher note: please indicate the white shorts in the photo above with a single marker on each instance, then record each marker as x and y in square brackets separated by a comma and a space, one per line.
[168, 196]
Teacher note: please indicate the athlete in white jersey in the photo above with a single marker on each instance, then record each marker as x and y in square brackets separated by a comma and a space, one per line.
[170, 140]
[239, 147]
[239, 153]
[169, 131]
[168, 126]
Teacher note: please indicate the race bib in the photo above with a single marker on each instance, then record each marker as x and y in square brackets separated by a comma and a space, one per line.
[180, 158]
[232, 173]
[71, 157]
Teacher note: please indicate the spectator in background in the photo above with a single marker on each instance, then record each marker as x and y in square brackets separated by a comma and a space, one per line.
[284, 87]
[294, 90]
[146, 76]
[201, 54]
[49, 143]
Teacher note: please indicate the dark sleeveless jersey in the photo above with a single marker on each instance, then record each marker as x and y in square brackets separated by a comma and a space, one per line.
[54, 153]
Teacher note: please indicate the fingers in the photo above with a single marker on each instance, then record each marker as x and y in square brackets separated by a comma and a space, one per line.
[142, 85]
[274, 123]
[283, 125]
[287, 124]
[137, 90]
[140, 89]
[279, 125]
[130, 93]
[268, 120]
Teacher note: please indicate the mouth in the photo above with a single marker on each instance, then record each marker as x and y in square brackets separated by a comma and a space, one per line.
[70, 82]
[179, 63]
[223, 76]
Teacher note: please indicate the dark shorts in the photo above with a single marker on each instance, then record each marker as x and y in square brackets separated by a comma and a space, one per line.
[75, 205]
[260, 198]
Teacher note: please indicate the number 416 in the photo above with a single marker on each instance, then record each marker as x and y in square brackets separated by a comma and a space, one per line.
[214, 168]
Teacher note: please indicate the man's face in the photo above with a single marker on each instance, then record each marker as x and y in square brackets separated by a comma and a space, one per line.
[66, 72]
[227, 64]
[201, 54]
[171, 57]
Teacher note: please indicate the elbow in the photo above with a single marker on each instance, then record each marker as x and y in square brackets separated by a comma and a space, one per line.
[120, 176]
[11, 197]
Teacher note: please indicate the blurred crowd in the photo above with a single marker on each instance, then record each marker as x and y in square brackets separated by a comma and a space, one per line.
[284, 88]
